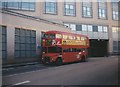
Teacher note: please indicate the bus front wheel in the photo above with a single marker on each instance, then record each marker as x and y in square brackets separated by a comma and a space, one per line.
[58, 61]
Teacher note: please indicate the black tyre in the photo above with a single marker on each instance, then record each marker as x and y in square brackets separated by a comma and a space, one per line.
[58, 62]
[83, 59]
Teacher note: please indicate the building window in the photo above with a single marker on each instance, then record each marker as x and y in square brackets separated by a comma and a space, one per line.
[25, 43]
[116, 46]
[0, 4]
[51, 6]
[87, 28]
[87, 8]
[84, 27]
[115, 29]
[19, 5]
[100, 29]
[102, 9]
[95, 28]
[115, 10]
[78, 27]
[115, 32]
[69, 8]
[72, 26]
[4, 41]
[103, 29]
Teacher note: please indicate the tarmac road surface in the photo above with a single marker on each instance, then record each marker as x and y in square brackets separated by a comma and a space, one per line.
[97, 71]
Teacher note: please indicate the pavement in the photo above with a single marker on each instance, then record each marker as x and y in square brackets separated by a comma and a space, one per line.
[19, 64]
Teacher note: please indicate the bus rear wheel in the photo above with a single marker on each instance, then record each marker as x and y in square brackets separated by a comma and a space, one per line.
[58, 61]
[83, 59]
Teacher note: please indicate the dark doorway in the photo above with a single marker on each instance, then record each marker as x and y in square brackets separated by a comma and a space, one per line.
[98, 48]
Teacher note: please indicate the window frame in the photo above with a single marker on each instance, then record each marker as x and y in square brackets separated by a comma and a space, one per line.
[5, 5]
[91, 10]
[114, 10]
[102, 8]
[74, 8]
[55, 7]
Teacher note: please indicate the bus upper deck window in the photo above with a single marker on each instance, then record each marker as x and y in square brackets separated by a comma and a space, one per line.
[52, 36]
[46, 36]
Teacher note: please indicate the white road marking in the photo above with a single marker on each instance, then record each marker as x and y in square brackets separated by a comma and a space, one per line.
[33, 71]
[25, 73]
[21, 83]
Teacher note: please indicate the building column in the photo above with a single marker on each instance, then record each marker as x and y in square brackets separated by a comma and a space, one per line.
[0, 50]
[0, 54]
[38, 43]
[10, 43]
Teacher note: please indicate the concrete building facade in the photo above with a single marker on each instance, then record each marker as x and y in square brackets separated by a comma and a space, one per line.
[22, 23]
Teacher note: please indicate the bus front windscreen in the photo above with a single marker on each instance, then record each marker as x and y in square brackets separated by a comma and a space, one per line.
[54, 49]
[44, 49]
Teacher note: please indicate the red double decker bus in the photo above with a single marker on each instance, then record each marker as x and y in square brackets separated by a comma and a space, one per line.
[62, 47]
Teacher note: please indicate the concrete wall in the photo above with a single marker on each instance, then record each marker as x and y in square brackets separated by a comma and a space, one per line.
[13, 22]
[0, 51]
[78, 19]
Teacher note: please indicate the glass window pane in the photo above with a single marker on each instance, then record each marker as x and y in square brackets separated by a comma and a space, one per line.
[100, 29]
[50, 7]
[67, 6]
[33, 46]
[32, 5]
[25, 5]
[0, 3]
[22, 39]
[4, 38]
[73, 26]
[105, 29]
[33, 33]
[4, 30]
[17, 31]
[89, 27]
[28, 54]
[78, 28]
[17, 46]
[17, 54]
[22, 46]
[33, 40]
[71, 7]
[17, 39]
[95, 28]
[84, 27]
[4, 47]
[84, 8]
[4, 54]
[33, 53]
[22, 54]
[28, 32]
[28, 47]
[22, 32]
[28, 40]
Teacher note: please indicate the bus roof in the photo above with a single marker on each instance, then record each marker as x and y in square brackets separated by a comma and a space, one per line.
[60, 32]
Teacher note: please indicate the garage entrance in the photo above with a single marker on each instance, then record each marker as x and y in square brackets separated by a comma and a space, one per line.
[98, 48]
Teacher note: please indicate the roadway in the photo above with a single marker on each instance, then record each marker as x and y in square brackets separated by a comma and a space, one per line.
[97, 71]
